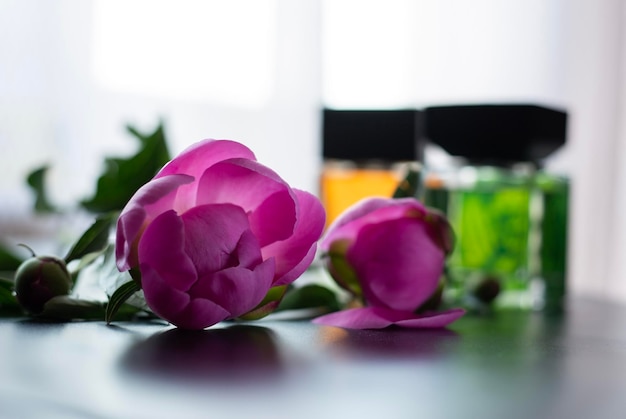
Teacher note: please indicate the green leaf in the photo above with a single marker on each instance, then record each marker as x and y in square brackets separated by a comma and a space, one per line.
[409, 187]
[268, 305]
[6, 283]
[66, 308]
[310, 296]
[8, 303]
[8, 261]
[341, 270]
[94, 240]
[6, 291]
[119, 297]
[122, 177]
[37, 182]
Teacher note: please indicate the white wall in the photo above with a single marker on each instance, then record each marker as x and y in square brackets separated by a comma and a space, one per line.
[596, 92]
[410, 53]
[61, 103]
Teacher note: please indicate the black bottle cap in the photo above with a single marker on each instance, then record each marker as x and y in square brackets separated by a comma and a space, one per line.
[385, 135]
[496, 134]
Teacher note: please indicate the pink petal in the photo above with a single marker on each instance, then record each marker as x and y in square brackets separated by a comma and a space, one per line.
[196, 159]
[213, 234]
[255, 188]
[274, 219]
[166, 301]
[295, 272]
[152, 199]
[355, 318]
[205, 239]
[237, 289]
[294, 255]
[162, 249]
[129, 227]
[397, 263]
[248, 253]
[176, 306]
[432, 320]
[379, 318]
[368, 211]
[200, 314]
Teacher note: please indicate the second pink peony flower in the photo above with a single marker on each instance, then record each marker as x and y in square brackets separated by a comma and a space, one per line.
[390, 253]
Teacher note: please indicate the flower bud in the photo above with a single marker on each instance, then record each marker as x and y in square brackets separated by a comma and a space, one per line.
[390, 252]
[487, 290]
[39, 279]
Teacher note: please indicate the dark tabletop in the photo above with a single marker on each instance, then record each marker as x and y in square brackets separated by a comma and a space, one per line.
[507, 365]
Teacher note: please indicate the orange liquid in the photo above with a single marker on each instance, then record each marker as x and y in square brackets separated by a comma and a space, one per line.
[341, 188]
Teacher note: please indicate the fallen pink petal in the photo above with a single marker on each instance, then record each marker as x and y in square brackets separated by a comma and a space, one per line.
[380, 318]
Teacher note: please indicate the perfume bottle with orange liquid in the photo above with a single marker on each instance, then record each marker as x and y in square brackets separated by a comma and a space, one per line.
[366, 153]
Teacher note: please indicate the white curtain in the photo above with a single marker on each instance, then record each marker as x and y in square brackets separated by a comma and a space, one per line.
[74, 72]
[596, 89]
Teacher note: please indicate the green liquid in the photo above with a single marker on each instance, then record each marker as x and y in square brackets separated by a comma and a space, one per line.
[553, 251]
[510, 228]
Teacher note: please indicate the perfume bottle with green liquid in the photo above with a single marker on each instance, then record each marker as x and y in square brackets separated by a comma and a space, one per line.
[508, 213]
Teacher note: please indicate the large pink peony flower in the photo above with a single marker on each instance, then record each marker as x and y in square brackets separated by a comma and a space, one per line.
[215, 233]
[390, 252]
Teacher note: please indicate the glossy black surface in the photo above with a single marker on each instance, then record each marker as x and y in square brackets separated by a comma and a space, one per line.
[509, 365]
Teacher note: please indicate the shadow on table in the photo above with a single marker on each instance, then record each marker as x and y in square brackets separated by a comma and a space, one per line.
[235, 353]
[390, 343]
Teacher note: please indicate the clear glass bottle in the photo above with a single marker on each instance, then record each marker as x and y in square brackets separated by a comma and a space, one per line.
[365, 154]
[509, 215]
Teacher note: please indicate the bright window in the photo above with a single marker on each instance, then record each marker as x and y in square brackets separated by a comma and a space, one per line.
[211, 51]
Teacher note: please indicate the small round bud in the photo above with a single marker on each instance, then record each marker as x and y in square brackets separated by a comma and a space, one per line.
[40, 278]
[487, 290]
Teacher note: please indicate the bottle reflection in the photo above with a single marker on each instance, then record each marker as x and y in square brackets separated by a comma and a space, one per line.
[390, 343]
